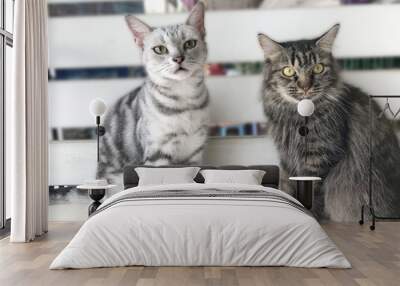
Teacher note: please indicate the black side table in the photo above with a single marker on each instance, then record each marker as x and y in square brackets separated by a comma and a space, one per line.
[304, 192]
[96, 193]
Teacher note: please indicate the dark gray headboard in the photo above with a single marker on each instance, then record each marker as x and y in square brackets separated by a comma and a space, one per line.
[271, 177]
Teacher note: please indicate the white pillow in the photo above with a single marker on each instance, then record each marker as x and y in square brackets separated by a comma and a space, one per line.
[248, 177]
[165, 176]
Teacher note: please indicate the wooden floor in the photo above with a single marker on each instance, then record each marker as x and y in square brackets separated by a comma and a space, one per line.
[375, 257]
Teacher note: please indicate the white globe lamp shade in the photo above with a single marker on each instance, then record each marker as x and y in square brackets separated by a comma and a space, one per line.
[305, 107]
[97, 107]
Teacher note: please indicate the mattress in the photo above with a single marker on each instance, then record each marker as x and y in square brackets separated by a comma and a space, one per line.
[201, 225]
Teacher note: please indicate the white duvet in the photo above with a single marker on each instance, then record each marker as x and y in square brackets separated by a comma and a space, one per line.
[200, 231]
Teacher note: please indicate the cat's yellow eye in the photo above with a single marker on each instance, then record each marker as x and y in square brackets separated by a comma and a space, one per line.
[190, 44]
[288, 71]
[160, 50]
[318, 68]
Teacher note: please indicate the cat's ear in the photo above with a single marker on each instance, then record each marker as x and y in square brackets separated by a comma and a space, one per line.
[270, 47]
[325, 42]
[196, 18]
[138, 28]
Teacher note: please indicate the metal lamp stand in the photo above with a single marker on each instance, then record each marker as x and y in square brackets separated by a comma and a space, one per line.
[303, 131]
[100, 131]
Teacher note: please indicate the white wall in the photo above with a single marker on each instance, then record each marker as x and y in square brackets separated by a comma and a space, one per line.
[367, 31]
[230, 96]
[72, 163]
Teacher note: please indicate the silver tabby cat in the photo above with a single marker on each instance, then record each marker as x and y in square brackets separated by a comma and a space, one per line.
[338, 140]
[164, 121]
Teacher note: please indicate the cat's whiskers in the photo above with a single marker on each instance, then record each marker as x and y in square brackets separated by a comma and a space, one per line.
[161, 68]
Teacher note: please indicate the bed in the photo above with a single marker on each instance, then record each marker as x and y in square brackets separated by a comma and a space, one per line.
[201, 224]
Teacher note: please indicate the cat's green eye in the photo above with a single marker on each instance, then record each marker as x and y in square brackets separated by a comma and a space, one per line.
[190, 44]
[160, 50]
[318, 68]
[288, 71]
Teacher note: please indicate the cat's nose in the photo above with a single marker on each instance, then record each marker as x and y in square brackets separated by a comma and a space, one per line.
[306, 85]
[178, 59]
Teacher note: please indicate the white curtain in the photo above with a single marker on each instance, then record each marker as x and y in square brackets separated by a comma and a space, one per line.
[27, 127]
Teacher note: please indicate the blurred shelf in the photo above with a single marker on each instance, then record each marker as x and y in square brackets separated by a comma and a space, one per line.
[93, 141]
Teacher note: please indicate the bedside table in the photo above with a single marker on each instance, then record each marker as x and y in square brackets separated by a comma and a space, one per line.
[304, 192]
[96, 193]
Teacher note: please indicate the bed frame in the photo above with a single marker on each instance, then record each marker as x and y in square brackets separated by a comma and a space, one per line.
[270, 179]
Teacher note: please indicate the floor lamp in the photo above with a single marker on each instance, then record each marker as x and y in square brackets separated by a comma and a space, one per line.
[305, 108]
[97, 108]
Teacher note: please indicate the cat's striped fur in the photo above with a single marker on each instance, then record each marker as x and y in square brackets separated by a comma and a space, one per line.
[338, 149]
[164, 121]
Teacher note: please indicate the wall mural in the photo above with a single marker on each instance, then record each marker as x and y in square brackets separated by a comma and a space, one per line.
[167, 119]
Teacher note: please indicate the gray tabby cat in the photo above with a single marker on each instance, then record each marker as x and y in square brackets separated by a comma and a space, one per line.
[338, 138]
[164, 121]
